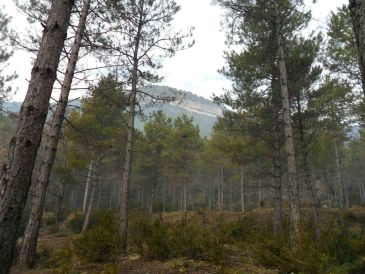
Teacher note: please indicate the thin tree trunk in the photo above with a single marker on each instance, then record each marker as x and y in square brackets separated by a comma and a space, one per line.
[87, 187]
[90, 205]
[60, 207]
[99, 196]
[15, 175]
[93, 186]
[72, 199]
[165, 195]
[307, 169]
[357, 9]
[260, 192]
[328, 188]
[340, 184]
[185, 190]
[293, 186]
[242, 191]
[278, 214]
[361, 194]
[152, 198]
[123, 212]
[210, 190]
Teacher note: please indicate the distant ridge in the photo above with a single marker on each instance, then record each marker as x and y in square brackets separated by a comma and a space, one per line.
[204, 111]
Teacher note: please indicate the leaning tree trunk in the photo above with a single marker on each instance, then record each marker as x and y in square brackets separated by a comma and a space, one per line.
[15, 178]
[293, 186]
[357, 9]
[93, 188]
[29, 244]
[87, 187]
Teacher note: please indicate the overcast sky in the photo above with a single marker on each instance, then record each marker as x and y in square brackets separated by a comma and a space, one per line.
[194, 69]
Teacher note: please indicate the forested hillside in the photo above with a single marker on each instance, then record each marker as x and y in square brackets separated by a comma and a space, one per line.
[204, 111]
[136, 177]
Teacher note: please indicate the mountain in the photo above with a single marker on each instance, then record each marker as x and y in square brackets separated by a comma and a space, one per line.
[204, 111]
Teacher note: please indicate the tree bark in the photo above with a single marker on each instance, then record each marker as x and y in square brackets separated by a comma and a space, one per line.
[89, 209]
[340, 183]
[278, 213]
[242, 190]
[15, 178]
[60, 206]
[357, 9]
[307, 169]
[29, 245]
[123, 212]
[293, 186]
[87, 188]
[93, 186]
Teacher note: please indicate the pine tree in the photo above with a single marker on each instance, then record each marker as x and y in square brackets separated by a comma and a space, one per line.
[29, 244]
[5, 55]
[15, 177]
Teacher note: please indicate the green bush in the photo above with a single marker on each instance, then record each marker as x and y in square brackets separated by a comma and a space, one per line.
[158, 240]
[337, 251]
[75, 224]
[62, 260]
[49, 219]
[96, 245]
[96, 219]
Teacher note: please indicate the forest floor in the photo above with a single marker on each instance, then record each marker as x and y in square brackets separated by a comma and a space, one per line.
[237, 263]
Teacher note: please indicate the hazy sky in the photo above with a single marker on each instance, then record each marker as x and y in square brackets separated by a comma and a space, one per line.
[194, 69]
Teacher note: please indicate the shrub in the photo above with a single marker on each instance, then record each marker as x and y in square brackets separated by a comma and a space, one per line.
[76, 222]
[159, 240]
[49, 219]
[96, 245]
[62, 260]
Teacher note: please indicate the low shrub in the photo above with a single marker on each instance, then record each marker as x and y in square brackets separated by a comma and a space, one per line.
[158, 240]
[75, 224]
[96, 245]
[100, 243]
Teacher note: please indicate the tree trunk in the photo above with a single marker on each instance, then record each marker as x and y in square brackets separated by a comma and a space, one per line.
[185, 194]
[27, 255]
[357, 9]
[293, 186]
[60, 207]
[90, 205]
[210, 191]
[340, 183]
[242, 191]
[123, 212]
[87, 187]
[89, 209]
[15, 178]
[278, 214]
[307, 170]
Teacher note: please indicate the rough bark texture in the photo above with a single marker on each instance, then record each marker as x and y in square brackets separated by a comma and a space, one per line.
[357, 9]
[293, 186]
[29, 244]
[16, 174]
